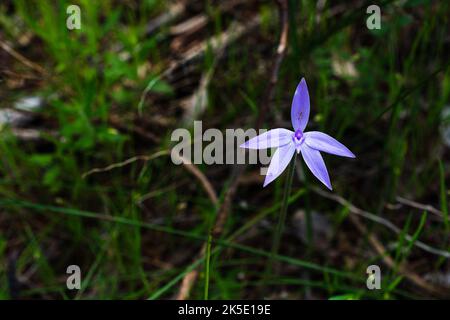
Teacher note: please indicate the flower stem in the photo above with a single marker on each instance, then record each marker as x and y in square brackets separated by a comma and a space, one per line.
[207, 265]
[282, 217]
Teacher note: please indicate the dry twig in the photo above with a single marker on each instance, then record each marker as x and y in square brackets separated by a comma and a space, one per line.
[379, 248]
[375, 218]
[234, 32]
[126, 162]
[172, 13]
[420, 206]
[207, 186]
[22, 59]
[198, 21]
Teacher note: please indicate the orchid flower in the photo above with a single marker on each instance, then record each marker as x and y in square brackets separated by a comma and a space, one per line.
[309, 144]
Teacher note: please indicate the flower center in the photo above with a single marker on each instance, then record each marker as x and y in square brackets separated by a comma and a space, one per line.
[298, 139]
[298, 135]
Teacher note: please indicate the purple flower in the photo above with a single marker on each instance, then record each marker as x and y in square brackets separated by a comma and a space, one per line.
[308, 143]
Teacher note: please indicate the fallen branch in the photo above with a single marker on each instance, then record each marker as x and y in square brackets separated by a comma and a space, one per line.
[124, 163]
[22, 59]
[379, 248]
[117, 123]
[195, 104]
[375, 218]
[198, 21]
[207, 186]
[217, 45]
[281, 51]
[172, 13]
[420, 206]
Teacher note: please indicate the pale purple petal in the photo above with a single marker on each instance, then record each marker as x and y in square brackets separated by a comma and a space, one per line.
[314, 161]
[279, 162]
[323, 142]
[300, 106]
[270, 139]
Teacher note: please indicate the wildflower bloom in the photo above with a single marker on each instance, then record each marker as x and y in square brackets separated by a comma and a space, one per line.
[309, 144]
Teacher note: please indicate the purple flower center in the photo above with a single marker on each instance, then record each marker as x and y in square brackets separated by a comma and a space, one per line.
[298, 135]
[298, 139]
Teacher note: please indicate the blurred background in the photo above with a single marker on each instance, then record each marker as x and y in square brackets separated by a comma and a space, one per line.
[86, 117]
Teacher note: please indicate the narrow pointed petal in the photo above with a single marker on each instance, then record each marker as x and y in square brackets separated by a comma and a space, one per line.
[279, 162]
[315, 163]
[323, 142]
[271, 139]
[300, 106]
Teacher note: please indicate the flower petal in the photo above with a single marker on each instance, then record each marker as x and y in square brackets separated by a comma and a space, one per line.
[270, 139]
[314, 161]
[300, 106]
[279, 162]
[323, 142]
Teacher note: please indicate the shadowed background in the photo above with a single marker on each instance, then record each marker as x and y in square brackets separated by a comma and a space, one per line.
[85, 123]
